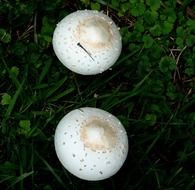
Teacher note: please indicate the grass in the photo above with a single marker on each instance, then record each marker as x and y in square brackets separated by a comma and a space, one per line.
[150, 89]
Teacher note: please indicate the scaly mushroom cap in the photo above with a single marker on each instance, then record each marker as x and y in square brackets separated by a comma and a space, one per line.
[87, 42]
[91, 143]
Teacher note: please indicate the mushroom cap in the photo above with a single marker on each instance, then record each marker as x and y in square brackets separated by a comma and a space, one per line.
[87, 42]
[91, 143]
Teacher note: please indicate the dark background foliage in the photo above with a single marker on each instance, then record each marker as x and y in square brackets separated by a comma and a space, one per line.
[150, 89]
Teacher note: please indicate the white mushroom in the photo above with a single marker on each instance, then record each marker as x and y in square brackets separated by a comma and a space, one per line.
[87, 42]
[91, 143]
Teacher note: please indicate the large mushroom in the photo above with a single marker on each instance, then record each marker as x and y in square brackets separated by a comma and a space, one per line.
[87, 42]
[91, 143]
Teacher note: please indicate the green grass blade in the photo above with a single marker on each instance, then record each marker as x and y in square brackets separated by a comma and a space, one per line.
[53, 89]
[5, 178]
[122, 59]
[60, 95]
[11, 107]
[49, 167]
[11, 75]
[45, 71]
[136, 90]
[20, 178]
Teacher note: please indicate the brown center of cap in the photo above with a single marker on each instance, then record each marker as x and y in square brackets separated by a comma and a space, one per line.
[98, 134]
[94, 32]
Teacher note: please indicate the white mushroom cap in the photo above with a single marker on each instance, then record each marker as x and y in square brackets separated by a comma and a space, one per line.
[87, 42]
[91, 143]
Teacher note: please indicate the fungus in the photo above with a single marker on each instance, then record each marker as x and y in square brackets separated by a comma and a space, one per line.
[91, 143]
[87, 42]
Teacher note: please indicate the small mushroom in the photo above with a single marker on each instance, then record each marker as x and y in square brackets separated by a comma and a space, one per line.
[91, 143]
[87, 42]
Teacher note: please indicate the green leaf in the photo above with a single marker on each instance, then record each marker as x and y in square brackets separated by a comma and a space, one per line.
[126, 34]
[125, 7]
[191, 25]
[137, 9]
[154, 4]
[4, 36]
[25, 124]
[143, 65]
[24, 127]
[189, 61]
[157, 86]
[139, 26]
[156, 30]
[6, 99]
[167, 64]
[171, 15]
[115, 3]
[132, 47]
[14, 71]
[180, 31]
[86, 2]
[150, 119]
[18, 48]
[156, 108]
[171, 91]
[150, 16]
[192, 118]
[190, 71]
[148, 41]
[95, 6]
[180, 42]
[190, 40]
[167, 27]
[47, 38]
[34, 57]
[156, 51]
[47, 26]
